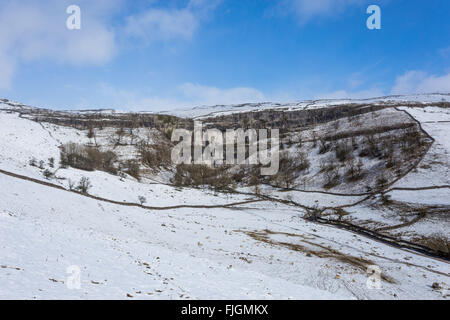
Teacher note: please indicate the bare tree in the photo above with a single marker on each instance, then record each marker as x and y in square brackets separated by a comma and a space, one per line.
[142, 200]
[332, 178]
[355, 170]
[84, 185]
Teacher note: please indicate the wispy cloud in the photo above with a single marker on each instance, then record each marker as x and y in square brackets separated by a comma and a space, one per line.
[168, 24]
[421, 82]
[206, 95]
[410, 82]
[307, 10]
[7, 67]
[31, 31]
[445, 52]
[184, 96]
[158, 24]
[344, 94]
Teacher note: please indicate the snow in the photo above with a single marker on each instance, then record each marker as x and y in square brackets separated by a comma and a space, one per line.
[124, 251]
[434, 168]
[22, 140]
[260, 250]
[219, 110]
[430, 197]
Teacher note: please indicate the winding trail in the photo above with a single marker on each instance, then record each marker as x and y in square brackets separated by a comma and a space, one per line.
[372, 234]
[126, 204]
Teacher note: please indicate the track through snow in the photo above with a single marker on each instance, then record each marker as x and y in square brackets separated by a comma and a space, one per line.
[258, 250]
[186, 253]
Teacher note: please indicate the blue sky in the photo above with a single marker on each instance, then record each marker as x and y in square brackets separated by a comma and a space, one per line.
[156, 55]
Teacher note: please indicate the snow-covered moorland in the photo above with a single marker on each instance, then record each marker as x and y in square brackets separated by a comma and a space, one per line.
[145, 237]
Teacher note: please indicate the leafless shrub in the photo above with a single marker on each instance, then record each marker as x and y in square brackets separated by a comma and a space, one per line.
[336, 125]
[255, 181]
[91, 132]
[84, 185]
[343, 151]
[435, 242]
[410, 140]
[332, 178]
[33, 162]
[381, 182]
[303, 161]
[385, 199]
[47, 174]
[290, 167]
[155, 156]
[142, 200]
[355, 170]
[117, 138]
[314, 139]
[313, 214]
[326, 165]
[87, 158]
[202, 175]
[71, 185]
[132, 168]
[51, 162]
[354, 143]
[371, 148]
[324, 146]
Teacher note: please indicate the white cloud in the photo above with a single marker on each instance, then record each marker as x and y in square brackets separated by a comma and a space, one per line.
[411, 82]
[7, 68]
[131, 100]
[308, 9]
[445, 52]
[203, 95]
[421, 82]
[185, 96]
[202, 8]
[343, 94]
[169, 24]
[32, 31]
[162, 24]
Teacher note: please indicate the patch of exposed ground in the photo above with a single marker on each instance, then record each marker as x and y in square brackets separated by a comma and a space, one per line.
[317, 250]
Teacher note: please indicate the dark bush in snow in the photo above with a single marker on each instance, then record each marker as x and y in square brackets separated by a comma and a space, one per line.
[202, 175]
[155, 156]
[87, 158]
[142, 200]
[84, 185]
[132, 168]
[47, 174]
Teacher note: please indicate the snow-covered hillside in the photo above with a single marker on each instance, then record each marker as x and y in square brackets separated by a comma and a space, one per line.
[213, 111]
[192, 243]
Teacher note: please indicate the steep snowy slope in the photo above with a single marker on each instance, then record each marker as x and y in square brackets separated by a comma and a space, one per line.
[262, 249]
[259, 252]
[23, 140]
[434, 169]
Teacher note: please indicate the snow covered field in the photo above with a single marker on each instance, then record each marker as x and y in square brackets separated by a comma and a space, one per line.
[259, 250]
[190, 253]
